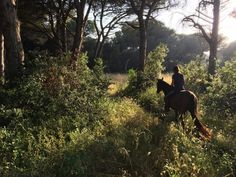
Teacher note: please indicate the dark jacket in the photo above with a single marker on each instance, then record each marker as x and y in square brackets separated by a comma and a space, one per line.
[178, 82]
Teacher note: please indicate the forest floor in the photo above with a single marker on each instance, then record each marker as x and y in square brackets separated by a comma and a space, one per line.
[170, 149]
[125, 136]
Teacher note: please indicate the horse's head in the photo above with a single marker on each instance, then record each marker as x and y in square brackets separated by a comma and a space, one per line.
[159, 85]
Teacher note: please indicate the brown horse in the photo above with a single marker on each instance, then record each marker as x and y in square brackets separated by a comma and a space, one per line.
[181, 103]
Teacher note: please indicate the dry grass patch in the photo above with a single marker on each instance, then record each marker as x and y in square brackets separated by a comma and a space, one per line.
[117, 82]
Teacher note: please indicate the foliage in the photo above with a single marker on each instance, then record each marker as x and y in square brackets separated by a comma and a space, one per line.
[154, 64]
[149, 100]
[188, 156]
[60, 122]
[221, 95]
[43, 107]
[183, 48]
[131, 88]
[138, 81]
[195, 74]
[121, 53]
[229, 51]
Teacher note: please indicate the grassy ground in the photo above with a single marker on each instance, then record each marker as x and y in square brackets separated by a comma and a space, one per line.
[129, 140]
[170, 150]
[117, 82]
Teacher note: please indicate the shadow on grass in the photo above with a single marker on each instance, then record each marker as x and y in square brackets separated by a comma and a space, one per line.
[130, 149]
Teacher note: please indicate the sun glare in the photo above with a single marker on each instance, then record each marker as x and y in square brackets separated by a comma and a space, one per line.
[228, 23]
[227, 27]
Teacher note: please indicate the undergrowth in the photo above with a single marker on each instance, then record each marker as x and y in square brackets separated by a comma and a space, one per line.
[61, 122]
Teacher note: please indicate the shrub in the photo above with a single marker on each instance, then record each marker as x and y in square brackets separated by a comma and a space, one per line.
[44, 107]
[154, 65]
[221, 94]
[138, 81]
[151, 101]
[188, 156]
[195, 74]
[57, 90]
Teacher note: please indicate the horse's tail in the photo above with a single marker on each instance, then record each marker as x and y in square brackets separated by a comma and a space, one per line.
[195, 105]
[200, 126]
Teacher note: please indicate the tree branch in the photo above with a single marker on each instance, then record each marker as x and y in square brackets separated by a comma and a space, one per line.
[198, 26]
[132, 25]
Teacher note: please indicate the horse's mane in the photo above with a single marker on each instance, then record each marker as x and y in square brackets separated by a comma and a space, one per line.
[165, 84]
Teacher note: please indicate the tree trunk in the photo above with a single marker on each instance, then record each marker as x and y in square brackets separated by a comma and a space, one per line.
[12, 40]
[78, 40]
[101, 45]
[214, 38]
[142, 44]
[97, 46]
[1, 56]
[212, 59]
[63, 37]
[79, 31]
[83, 8]
[61, 33]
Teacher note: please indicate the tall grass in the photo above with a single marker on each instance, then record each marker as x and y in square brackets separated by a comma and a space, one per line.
[79, 130]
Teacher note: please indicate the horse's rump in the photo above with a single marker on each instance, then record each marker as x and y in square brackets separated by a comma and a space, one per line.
[183, 101]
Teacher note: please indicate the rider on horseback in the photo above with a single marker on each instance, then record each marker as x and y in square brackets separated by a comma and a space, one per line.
[177, 83]
[184, 101]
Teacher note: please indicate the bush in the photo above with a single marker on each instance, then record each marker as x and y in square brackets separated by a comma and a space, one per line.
[138, 81]
[188, 156]
[221, 95]
[195, 74]
[63, 124]
[44, 107]
[151, 101]
[154, 65]
[60, 91]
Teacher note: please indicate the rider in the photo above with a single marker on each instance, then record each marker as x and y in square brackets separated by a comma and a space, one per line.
[177, 83]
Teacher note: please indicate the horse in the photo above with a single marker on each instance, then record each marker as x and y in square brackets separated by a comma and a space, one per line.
[182, 102]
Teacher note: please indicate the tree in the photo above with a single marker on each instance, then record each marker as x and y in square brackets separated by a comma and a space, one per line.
[1, 54]
[107, 15]
[10, 26]
[184, 48]
[34, 24]
[121, 52]
[83, 8]
[58, 12]
[210, 35]
[49, 23]
[144, 9]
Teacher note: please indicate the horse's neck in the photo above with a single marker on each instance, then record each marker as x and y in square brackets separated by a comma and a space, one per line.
[168, 89]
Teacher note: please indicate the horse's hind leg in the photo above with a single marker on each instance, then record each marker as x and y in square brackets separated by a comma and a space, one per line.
[196, 121]
[176, 116]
